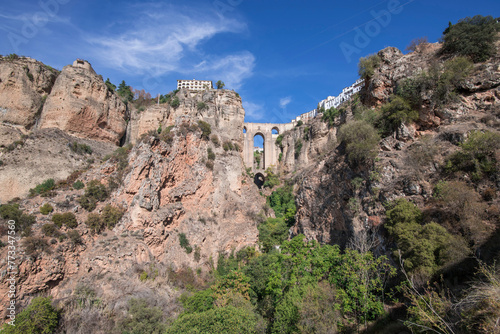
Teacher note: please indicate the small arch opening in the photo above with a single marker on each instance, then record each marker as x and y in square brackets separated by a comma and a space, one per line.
[244, 129]
[259, 180]
[258, 151]
[275, 131]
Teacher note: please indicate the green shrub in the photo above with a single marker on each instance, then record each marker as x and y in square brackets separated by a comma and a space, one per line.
[395, 113]
[78, 185]
[174, 103]
[75, 237]
[307, 131]
[23, 221]
[95, 223]
[221, 320]
[299, 123]
[298, 148]
[111, 87]
[184, 242]
[111, 216]
[95, 192]
[206, 129]
[40, 317]
[201, 106]
[215, 139]
[68, 219]
[361, 141]
[367, 66]
[34, 246]
[44, 188]
[271, 179]
[210, 164]
[210, 154]
[46, 209]
[440, 82]
[282, 201]
[425, 248]
[50, 230]
[472, 37]
[272, 233]
[279, 141]
[476, 156]
[120, 156]
[330, 115]
[167, 135]
[228, 146]
[80, 148]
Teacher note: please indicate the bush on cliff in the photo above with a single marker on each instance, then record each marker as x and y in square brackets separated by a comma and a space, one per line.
[40, 317]
[472, 37]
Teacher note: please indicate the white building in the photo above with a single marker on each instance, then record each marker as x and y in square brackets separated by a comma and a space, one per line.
[347, 93]
[194, 84]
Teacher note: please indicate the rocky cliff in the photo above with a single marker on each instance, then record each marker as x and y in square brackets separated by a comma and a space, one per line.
[170, 189]
[336, 200]
[82, 105]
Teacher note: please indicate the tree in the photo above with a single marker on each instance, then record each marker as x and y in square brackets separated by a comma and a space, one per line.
[110, 86]
[142, 319]
[40, 317]
[472, 37]
[220, 85]
[367, 66]
[125, 92]
[361, 141]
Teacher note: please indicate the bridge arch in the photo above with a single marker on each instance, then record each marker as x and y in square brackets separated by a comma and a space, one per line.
[271, 151]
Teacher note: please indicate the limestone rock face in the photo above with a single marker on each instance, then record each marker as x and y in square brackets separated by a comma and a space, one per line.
[44, 154]
[80, 104]
[220, 108]
[24, 85]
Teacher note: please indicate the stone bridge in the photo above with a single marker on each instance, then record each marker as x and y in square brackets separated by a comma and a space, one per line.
[271, 150]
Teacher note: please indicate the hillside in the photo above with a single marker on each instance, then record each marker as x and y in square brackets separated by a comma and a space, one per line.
[136, 216]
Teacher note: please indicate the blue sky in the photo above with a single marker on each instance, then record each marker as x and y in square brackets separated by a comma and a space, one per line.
[281, 56]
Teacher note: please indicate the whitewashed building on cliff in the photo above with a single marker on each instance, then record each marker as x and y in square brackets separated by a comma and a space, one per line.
[194, 84]
[347, 93]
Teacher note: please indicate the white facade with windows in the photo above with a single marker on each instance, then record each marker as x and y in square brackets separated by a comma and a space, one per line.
[347, 93]
[194, 84]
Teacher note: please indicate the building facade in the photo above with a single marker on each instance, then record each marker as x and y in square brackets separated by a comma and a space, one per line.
[194, 84]
[347, 93]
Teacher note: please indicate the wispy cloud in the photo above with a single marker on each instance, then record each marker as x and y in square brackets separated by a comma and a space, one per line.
[253, 111]
[285, 101]
[174, 39]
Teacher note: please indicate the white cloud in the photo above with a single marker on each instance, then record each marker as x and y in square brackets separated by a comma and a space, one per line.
[232, 69]
[285, 101]
[253, 110]
[173, 39]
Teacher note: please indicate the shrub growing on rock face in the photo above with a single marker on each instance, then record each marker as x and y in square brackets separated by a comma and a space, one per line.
[205, 128]
[367, 66]
[95, 192]
[44, 188]
[40, 317]
[111, 216]
[472, 37]
[34, 245]
[95, 223]
[361, 141]
[68, 219]
[50, 230]
[12, 212]
[476, 156]
[46, 209]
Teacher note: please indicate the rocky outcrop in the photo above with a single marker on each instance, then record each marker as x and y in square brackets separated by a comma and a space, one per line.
[220, 108]
[44, 154]
[24, 85]
[167, 189]
[82, 105]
